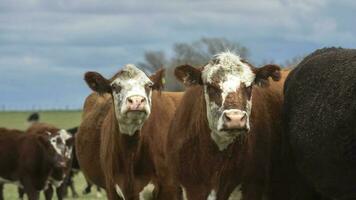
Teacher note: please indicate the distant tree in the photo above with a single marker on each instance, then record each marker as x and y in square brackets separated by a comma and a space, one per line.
[154, 60]
[200, 52]
[196, 54]
[290, 63]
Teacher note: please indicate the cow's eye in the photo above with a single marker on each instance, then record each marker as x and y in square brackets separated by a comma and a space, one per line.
[116, 88]
[53, 140]
[149, 86]
[213, 88]
[249, 91]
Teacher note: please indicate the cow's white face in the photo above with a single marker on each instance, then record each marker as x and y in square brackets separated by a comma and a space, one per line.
[227, 82]
[227, 88]
[61, 142]
[131, 90]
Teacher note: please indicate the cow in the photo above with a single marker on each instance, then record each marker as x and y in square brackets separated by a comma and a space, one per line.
[69, 182]
[124, 126]
[30, 160]
[319, 114]
[65, 142]
[226, 134]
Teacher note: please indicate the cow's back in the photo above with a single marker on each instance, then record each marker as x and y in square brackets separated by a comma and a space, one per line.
[320, 114]
[88, 137]
[9, 142]
[41, 128]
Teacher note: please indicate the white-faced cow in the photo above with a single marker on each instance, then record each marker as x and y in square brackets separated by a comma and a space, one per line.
[63, 144]
[31, 160]
[222, 137]
[124, 125]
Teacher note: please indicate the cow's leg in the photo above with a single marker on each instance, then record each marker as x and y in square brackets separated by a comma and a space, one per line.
[21, 192]
[72, 188]
[48, 192]
[87, 189]
[196, 193]
[29, 188]
[112, 194]
[60, 191]
[1, 191]
[167, 191]
[254, 191]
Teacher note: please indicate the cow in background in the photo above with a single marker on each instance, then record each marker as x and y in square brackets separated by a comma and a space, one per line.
[69, 182]
[65, 142]
[32, 161]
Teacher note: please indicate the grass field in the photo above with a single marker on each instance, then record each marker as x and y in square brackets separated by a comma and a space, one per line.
[62, 119]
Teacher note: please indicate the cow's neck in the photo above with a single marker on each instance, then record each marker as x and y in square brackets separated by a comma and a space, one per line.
[132, 159]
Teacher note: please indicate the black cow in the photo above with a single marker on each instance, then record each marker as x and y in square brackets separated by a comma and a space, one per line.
[320, 123]
[75, 168]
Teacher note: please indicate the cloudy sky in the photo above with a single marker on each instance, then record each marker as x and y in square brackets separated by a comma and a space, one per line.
[46, 46]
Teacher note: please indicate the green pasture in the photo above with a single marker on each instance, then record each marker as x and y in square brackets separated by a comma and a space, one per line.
[62, 119]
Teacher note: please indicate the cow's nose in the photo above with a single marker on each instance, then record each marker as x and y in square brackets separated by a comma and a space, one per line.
[234, 120]
[136, 103]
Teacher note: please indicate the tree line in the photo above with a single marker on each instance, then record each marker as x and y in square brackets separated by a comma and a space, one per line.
[196, 53]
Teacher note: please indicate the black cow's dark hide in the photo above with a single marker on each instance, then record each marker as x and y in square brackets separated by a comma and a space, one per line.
[320, 121]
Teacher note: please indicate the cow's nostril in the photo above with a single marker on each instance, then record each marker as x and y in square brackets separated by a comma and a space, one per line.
[227, 118]
[243, 118]
[130, 100]
[143, 100]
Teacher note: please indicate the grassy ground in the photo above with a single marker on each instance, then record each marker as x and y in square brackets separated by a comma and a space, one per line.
[62, 119]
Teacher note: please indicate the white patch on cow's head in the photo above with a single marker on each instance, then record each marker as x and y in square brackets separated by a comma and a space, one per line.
[147, 192]
[119, 191]
[212, 195]
[236, 194]
[227, 80]
[131, 82]
[58, 142]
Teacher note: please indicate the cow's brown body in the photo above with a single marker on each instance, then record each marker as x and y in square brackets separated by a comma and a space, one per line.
[26, 159]
[132, 162]
[248, 164]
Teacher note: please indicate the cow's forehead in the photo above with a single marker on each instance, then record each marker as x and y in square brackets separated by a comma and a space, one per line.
[64, 134]
[225, 66]
[131, 75]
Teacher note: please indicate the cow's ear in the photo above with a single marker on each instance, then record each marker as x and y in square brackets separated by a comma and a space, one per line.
[263, 73]
[158, 79]
[188, 75]
[97, 82]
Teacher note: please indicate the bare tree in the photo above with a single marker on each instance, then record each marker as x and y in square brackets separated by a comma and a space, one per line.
[200, 52]
[293, 62]
[196, 54]
[154, 60]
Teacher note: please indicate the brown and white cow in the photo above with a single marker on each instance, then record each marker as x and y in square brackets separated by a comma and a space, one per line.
[120, 143]
[30, 160]
[222, 137]
[63, 145]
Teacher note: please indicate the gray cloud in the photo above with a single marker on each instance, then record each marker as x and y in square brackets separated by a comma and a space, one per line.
[42, 41]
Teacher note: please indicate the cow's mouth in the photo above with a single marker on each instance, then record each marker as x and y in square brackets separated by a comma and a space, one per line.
[136, 114]
[136, 111]
[235, 130]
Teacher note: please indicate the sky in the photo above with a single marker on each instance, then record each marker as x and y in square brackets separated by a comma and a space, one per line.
[47, 46]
